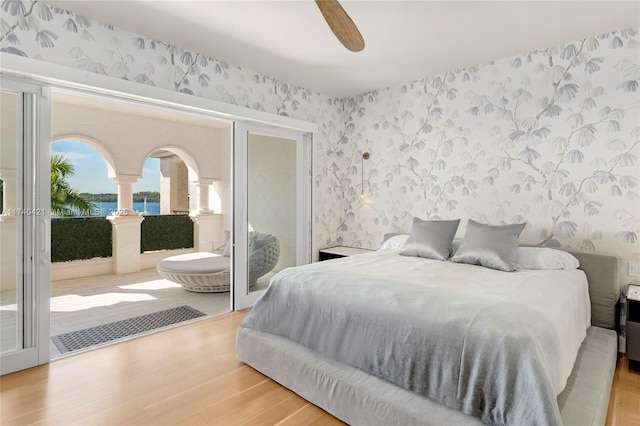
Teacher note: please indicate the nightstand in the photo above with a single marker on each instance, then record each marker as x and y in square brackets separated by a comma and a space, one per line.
[340, 251]
[633, 323]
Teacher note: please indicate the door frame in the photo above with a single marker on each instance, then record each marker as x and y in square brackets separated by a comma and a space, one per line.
[63, 77]
[60, 77]
[242, 297]
[33, 225]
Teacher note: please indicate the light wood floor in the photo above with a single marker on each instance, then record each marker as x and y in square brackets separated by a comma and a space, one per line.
[624, 403]
[188, 376]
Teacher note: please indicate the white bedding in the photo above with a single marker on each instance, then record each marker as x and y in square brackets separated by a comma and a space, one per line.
[341, 307]
[561, 295]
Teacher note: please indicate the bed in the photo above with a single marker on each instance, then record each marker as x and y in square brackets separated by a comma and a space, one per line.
[500, 351]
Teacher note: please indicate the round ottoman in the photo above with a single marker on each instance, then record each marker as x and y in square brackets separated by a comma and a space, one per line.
[202, 272]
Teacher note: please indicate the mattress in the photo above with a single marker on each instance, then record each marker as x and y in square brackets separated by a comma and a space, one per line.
[445, 331]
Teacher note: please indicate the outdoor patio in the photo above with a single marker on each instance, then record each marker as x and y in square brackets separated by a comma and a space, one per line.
[86, 302]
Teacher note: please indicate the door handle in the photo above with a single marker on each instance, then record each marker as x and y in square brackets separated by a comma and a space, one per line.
[44, 241]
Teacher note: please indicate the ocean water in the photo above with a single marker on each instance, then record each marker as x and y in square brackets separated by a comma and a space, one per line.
[106, 209]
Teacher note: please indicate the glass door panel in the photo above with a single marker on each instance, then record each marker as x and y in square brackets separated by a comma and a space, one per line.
[25, 134]
[11, 291]
[272, 186]
[272, 204]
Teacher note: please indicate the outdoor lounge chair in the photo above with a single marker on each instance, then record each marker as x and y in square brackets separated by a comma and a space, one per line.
[211, 272]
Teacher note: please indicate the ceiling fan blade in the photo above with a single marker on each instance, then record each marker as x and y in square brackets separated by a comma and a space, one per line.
[341, 25]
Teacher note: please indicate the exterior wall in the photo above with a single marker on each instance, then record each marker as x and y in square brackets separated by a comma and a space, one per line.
[549, 137]
[88, 268]
[130, 139]
[174, 192]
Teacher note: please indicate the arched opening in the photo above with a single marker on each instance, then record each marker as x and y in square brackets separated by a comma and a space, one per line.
[168, 175]
[164, 195]
[146, 195]
[82, 169]
[133, 140]
[82, 195]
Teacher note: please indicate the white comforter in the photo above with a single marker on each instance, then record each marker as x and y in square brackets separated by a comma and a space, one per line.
[496, 345]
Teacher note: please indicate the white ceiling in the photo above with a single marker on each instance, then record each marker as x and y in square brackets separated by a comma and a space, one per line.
[404, 40]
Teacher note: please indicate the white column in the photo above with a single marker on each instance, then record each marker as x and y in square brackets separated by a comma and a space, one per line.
[126, 243]
[202, 192]
[207, 231]
[179, 186]
[125, 194]
[126, 228]
[165, 185]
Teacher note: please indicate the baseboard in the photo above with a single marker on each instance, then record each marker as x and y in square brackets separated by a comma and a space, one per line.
[81, 268]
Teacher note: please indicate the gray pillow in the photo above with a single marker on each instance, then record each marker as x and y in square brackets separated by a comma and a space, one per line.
[495, 247]
[431, 238]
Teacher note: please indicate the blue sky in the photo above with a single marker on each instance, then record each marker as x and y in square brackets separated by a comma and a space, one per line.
[91, 169]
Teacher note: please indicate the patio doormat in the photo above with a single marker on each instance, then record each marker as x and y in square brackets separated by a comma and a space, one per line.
[87, 337]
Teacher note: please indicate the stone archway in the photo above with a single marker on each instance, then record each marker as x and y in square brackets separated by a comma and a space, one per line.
[178, 172]
[107, 156]
[184, 191]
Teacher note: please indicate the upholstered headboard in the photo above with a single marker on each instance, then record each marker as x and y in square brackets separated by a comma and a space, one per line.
[604, 289]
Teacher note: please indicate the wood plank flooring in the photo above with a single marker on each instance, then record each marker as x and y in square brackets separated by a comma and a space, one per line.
[624, 403]
[189, 376]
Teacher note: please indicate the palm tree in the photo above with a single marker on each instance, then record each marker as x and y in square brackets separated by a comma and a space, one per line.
[64, 199]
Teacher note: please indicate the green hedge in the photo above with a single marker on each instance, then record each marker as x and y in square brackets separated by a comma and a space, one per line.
[80, 238]
[166, 232]
[90, 237]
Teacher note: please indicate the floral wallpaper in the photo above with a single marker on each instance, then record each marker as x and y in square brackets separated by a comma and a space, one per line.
[550, 137]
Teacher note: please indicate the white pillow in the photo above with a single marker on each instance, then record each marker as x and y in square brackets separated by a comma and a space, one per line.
[397, 242]
[545, 258]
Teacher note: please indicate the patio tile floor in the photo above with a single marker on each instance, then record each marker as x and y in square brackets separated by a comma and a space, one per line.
[86, 302]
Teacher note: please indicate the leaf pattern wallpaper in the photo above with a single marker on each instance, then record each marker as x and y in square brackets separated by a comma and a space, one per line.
[550, 137]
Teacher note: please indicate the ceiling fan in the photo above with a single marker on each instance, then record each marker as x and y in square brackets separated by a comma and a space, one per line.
[341, 24]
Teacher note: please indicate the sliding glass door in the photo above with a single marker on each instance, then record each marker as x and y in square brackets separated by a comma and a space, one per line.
[272, 205]
[24, 225]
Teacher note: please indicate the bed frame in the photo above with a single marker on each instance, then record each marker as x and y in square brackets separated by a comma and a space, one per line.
[359, 398]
